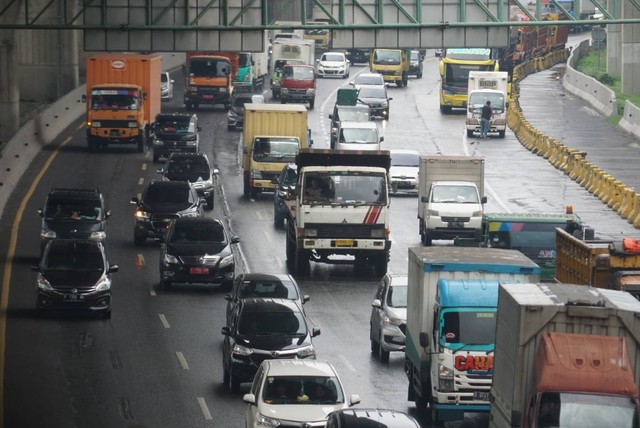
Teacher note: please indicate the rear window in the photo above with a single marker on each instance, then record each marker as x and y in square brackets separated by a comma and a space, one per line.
[169, 195]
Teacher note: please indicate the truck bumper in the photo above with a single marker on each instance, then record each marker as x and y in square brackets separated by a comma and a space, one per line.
[208, 97]
[439, 229]
[453, 412]
[263, 185]
[115, 135]
[346, 246]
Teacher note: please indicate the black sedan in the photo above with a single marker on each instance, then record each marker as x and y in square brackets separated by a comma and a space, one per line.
[377, 99]
[197, 250]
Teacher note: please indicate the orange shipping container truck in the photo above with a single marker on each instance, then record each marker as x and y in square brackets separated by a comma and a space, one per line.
[122, 99]
[209, 79]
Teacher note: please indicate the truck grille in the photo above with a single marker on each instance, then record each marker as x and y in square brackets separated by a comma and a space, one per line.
[362, 231]
[297, 92]
[456, 219]
[114, 123]
[387, 72]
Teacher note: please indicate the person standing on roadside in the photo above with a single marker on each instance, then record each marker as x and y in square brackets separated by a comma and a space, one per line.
[485, 119]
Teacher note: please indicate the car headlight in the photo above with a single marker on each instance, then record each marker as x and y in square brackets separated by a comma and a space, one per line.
[158, 143]
[266, 421]
[226, 261]
[384, 104]
[98, 236]
[169, 259]
[241, 350]
[232, 114]
[132, 124]
[43, 284]
[192, 143]
[377, 233]
[312, 233]
[142, 215]
[387, 320]
[49, 234]
[96, 124]
[309, 351]
[103, 284]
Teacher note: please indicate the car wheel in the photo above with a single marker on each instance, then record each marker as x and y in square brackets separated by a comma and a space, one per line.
[231, 128]
[234, 384]
[156, 158]
[375, 347]
[382, 353]
[210, 203]
[226, 378]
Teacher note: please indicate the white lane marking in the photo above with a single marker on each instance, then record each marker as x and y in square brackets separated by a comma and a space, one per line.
[141, 181]
[267, 236]
[347, 363]
[258, 215]
[204, 409]
[144, 166]
[164, 321]
[183, 360]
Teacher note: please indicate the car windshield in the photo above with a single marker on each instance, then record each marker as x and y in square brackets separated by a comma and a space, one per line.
[332, 57]
[198, 233]
[168, 195]
[58, 209]
[415, 56]
[240, 101]
[405, 159]
[372, 92]
[173, 125]
[164, 77]
[397, 296]
[302, 390]
[74, 257]
[274, 323]
[267, 289]
[359, 135]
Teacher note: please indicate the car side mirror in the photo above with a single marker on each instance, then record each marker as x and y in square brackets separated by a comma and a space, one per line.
[107, 214]
[315, 331]
[354, 399]
[134, 201]
[235, 239]
[381, 139]
[112, 269]
[249, 398]
[228, 297]
[216, 171]
[225, 331]
[390, 98]
[424, 339]
[35, 268]
[376, 303]
[199, 128]
[160, 170]
[172, 81]
[424, 199]
[305, 299]
[483, 200]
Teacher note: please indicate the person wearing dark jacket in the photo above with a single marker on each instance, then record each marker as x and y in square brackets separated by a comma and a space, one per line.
[485, 119]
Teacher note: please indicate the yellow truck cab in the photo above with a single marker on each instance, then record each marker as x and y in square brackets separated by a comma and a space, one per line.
[392, 64]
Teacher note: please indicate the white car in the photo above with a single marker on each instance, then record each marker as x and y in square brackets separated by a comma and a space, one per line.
[166, 86]
[405, 165]
[333, 64]
[364, 79]
[295, 393]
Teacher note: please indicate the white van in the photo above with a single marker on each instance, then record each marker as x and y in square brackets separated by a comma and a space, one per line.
[358, 136]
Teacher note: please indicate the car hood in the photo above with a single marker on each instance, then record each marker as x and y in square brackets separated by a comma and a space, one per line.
[398, 313]
[370, 101]
[166, 207]
[273, 342]
[197, 249]
[73, 227]
[403, 171]
[239, 110]
[72, 278]
[300, 412]
[331, 63]
[170, 136]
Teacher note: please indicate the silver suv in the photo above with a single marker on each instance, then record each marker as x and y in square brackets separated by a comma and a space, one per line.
[389, 316]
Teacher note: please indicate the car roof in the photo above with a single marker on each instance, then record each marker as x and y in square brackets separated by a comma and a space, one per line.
[267, 277]
[172, 183]
[198, 220]
[298, 367]
[374, 418]
[269, 304]
[361, 75]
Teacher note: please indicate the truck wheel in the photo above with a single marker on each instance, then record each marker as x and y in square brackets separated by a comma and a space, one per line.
[291, 252]
[274, 95]
[92, 145]
[469, 133]
[283, 101]
[501, 134]
[246, 187]
[381, 266]
[360, 265]
[188, 106]
[209, 202]
[445, 109]
[399, 83]
[426, 238]
[311, 103]
[278, 219]
[303, 265]
[140, 144]
[254, 193]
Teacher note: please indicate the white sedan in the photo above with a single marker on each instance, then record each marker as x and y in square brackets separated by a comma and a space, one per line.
[405, 165]
[333, 64]
[296, 393]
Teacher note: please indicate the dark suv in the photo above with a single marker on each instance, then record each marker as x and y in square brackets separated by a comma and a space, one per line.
[260, 329]
[162, 202]
[74, 274]
[285, 187]
[197, 251]
[73, 213]
[194, 168]
[175, 132]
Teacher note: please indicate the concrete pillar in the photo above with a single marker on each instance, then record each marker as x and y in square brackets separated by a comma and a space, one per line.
[9, 92]
[614, 41]
[630, 48]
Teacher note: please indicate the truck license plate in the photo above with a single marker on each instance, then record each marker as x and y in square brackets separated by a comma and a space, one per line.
[207, 97]
[456, 225]
[344, 242]
[481, 395]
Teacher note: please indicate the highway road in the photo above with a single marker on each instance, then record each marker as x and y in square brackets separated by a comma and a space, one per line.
[158, 361]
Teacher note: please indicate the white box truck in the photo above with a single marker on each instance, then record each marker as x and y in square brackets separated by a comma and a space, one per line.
[566, 355]
[488, 86]
[452, 301]
[451, 197]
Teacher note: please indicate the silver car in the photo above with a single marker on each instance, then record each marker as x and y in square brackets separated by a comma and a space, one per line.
[389, 317]
[166, 86]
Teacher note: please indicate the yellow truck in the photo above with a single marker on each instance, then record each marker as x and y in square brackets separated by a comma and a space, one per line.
[271, 138]
[393, 64]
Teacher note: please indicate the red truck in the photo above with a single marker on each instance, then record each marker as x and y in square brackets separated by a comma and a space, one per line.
[298, 84]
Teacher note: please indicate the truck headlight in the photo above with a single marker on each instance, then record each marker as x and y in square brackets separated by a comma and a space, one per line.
[158, 143]
[311, 92]
[284, 90]
[477, 214]
[256, 175]
[132, 124]
[445, 378]
[310, 232]
[433, 213]
[377, 233]
[96, 124]
[223, 90]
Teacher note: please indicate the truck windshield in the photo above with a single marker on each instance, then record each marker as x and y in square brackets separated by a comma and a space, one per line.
[244, 60]
[456, 76]
[275, 149]
[473, 54]
[349, 188]
[565, 410]
[298, 73]
[535, 240]
[390, 57]
[479, 99]
[454, 194]
[209, 67]
[114, 99]
[467, 326]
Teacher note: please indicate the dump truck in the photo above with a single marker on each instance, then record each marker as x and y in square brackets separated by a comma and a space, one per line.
[566, 355]
[452, 303]
[271, 137]
[598, 263]
[341, 209]
[209, 78]
[122, 99]
[451, 197]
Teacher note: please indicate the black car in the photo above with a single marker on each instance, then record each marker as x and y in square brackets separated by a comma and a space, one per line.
[358, 56]
[73, 213]
[376, 98]
[415, 64]
[197, 251]
[285, 186]
[74, 275]
[194, 168]
[162, 202]
[235, 115]
[260, 329]
[175, 132]
[276, 285]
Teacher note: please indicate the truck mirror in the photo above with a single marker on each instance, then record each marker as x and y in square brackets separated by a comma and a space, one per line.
[424, 199]
[381, 139]
[84, 98]
[424, 339]
[483, 200]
